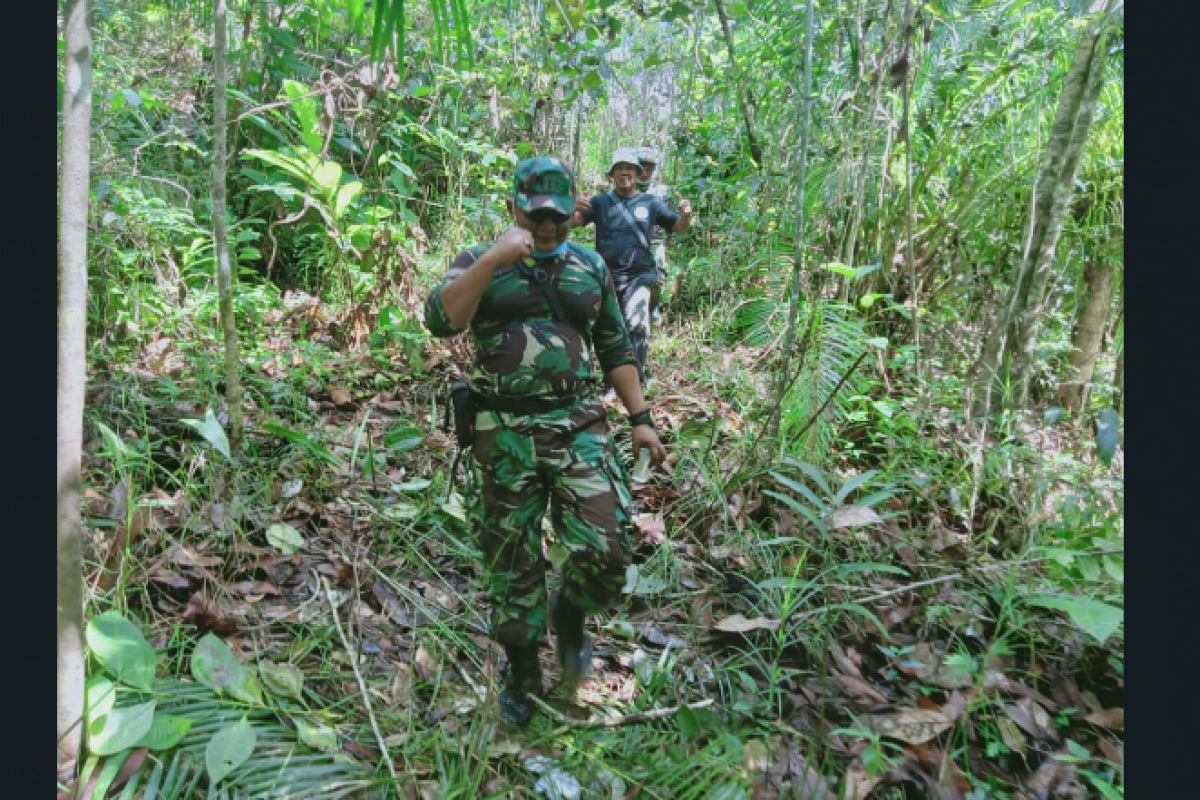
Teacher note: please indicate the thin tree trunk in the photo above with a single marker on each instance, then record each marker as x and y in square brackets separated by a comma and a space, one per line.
[233, 381]
[910, 256]
[1087, 340]
[789, 336]
[72, 377]
[1016, 324]
[755, 147]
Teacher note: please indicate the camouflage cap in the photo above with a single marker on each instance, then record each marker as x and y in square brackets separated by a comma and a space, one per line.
[647, 155]
[624, 155]
[544, 182]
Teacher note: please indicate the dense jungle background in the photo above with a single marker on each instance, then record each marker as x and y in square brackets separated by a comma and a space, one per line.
[885, 556]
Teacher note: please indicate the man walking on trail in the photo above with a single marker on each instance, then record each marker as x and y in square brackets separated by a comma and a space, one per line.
[648, 160]
[625, 219]
[542, 313]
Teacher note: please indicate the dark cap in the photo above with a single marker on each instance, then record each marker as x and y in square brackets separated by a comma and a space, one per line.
[544, 182]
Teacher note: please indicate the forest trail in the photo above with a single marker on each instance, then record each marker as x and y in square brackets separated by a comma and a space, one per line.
[796, 648]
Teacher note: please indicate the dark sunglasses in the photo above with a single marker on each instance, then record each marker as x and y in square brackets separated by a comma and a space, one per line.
[542, 214]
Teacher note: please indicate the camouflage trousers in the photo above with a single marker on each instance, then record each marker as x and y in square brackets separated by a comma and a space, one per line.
[635, 293]
[562, 460]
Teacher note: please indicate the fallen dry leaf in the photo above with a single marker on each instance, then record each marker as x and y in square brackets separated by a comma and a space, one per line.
[185, 556]
[1053, 778]
[858, 783]
[206, 616]
[739, 624]
[340, 396]
[1010, 734]
[171, 579]
[652, 529]
[912, 725]
[425, 664]
[933, 669]
[857, 687]
[854, 517]
[1032, 718]
[1108, 718]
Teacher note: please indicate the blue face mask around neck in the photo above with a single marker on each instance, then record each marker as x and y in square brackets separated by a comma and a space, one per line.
[558, 251]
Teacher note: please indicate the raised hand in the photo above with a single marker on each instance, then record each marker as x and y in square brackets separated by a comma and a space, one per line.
[515, 244]
[685, 206]
[583, 203]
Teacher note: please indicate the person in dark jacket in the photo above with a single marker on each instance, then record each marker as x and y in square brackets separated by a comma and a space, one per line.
[625, 219]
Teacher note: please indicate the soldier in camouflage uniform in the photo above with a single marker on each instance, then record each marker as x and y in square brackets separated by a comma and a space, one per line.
[625, 219]
[541, 435]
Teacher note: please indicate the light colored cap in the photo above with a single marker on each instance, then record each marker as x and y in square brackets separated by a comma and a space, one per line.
[624, 155]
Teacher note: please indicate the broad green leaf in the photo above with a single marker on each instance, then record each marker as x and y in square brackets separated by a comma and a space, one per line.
[316, 735]
[250, 690]
[215, 665]
[285, 538]
[592, 80]
[404, 439]
[328, 176]
[120, 729]
[852, 484]
[557, 555]
[292, 166]
[841, 269]
[165, 732]
[108, 773]
[639, 584]
[116, 445]
[345, 195]
[101, 694]
[1115, 567]
[868, 300]
[210, 428]
[798, 507]
[812, 472]
[818, 504]
[121, 649]
[1097, 619]
[1107, 435]
[229, 749]
[306, 114]
[284, 679]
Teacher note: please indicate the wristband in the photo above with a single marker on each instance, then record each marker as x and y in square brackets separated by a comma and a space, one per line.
[642, 417]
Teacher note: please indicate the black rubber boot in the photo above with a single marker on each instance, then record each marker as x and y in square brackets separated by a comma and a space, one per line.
[574, 643]
[523, 679]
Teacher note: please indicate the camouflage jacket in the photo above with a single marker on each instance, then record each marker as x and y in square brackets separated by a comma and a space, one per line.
[521, 350]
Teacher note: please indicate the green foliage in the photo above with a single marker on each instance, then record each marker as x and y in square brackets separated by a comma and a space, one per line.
[245, 750]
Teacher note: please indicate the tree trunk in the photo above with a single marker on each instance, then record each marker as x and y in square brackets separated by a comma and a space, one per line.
[747, 115]
[72, 377]
[233, 381]
[789, 336]
[1015, 327]
[1087, 340]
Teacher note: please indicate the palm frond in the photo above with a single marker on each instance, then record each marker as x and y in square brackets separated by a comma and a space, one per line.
[838, 339]
[280, 765]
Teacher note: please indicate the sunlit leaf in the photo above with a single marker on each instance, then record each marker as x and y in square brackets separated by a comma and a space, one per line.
[121, 649]
[229, 748]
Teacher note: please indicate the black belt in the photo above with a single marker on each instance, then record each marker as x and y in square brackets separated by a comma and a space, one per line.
[525, 405]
